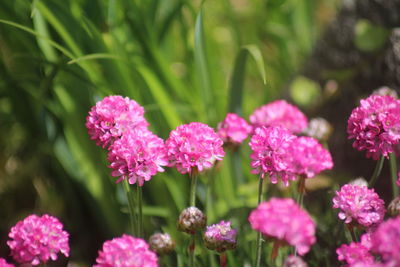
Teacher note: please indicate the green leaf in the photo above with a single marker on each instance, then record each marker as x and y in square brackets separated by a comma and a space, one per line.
[369, 37]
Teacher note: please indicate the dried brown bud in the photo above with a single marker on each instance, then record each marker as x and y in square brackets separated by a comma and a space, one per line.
[161, 243]
[394, 207]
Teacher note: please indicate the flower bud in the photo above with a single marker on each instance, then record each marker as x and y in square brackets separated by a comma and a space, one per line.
[394, 207]
[294, 261]
[220, 237]
[191, 220]
[319, 128]
[161, 243]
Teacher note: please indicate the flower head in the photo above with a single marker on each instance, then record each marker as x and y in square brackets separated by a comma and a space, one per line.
[285, 221]
[193, 146]
[271, 154]
[234, 129]
[294, 261]
[3, 263]
[310, 157]
[191, 219]
[37, 239]
[161, 243]
[220, 237]
[280, 113]
[113, 116]
[385, 241]
[359, 205]
[318, 128]
[126, 251]
[375, 125]
[354, 253]
[137, 156]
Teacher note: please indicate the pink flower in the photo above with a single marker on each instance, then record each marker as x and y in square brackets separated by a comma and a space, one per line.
[385, 241]
[220, 237]
[280, 113]
[113, 116]
[271, 154]
[234, 129]
[284, 220]
[37, 239]
[375, 125]
[126, 251]
[310, 157]
[359, 205]
[354, 253]
[3, 263]
[193, 145]
[137, 156]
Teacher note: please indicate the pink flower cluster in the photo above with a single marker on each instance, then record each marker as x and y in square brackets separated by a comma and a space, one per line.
[283, 155]
[193, 146]
[385, 241]
[112, 117]
[234, 129]
[137, 156]
[359, 205]
[126, 251]
[220, 236]
[375, 125]
[37, 239]
[3, 263]
[355, 253]
[279, 113]
[284, 220]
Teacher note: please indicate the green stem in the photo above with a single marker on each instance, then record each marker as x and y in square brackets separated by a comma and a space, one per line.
[193, 182]
[259, 241]
[393, 174]
[377, 171]
[131, 206]
[140, 210]
[301, 191]
[192, 247]
[352, 233]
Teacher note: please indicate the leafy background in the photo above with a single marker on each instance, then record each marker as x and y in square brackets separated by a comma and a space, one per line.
[183, 61]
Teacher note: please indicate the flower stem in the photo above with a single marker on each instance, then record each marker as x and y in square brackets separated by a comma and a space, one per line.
[222, 259]
[259, 241]
[301, 191]
[393, 174]
[193, 182]
[352, 233]
[275, 250]
[131, 206]
[140, 210]
[377, 171]
[192, 247]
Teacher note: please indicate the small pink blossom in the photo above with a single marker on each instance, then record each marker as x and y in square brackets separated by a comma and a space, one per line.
[271, 155]
[385, 241]
[310, 157]
[126, 251]
[3, 263]
[37, 239]
[220, 236]
[137, 156]
[280, 113]
[375, 125]
[234, 129]
[194, 146]
[359, 205]
[113, 116]
[284, 220]
[354, 253]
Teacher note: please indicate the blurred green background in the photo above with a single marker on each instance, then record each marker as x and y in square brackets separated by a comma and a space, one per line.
[183, 61]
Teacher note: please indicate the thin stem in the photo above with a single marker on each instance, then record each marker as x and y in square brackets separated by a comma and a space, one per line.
[377, 171]
[352, 233]
[222, 259]
[193, 182]
[275, 250]
[393, 174]
[259, 241]
[140, 210]
[301, 191]
[131, 206]
[192, 247]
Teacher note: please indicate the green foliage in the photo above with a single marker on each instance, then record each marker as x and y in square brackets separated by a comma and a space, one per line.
[369, 37]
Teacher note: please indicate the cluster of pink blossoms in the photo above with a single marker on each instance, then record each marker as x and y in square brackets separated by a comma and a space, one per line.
[355, 253]
[375, 125]
[234, 129]
[385, 241]
[283, 155]
[37, 239]
[193, 146]
[137, 156]
[284, 220]
[220, 236]
[3, 263]
[279, 113]
[359, 205]
[111, 117]
[126, 251]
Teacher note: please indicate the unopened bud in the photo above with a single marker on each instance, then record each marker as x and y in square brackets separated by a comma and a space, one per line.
[384, 90]
[394, 207]
[319, 128]
[220, 237]
[161, 243]
[191, 220]
[294, 261]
